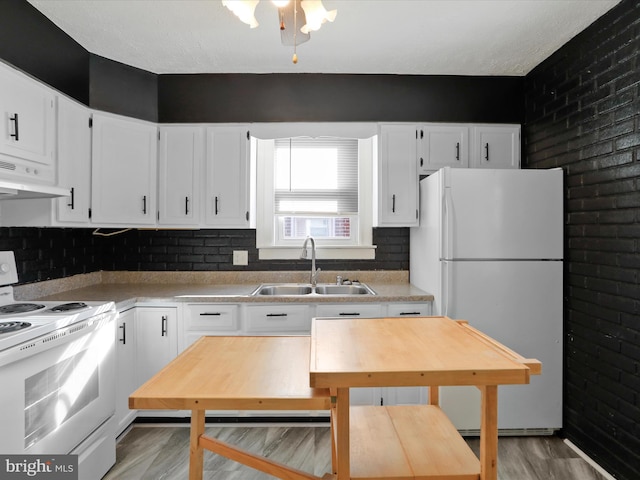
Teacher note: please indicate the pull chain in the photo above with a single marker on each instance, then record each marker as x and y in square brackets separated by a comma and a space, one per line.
[295, 31]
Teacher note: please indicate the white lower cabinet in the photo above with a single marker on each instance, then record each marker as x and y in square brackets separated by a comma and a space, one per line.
[278, 319]
[201, 319]
[349, 310]
[156, 331]
[149, 337]
[413, 309]
[126, 381]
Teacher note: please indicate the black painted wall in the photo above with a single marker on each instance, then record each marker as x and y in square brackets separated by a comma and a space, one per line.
[32, 43]
[123, 89]
[583, 114]
[338, 98]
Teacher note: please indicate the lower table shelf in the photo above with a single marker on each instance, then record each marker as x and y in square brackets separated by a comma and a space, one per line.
[408, 442]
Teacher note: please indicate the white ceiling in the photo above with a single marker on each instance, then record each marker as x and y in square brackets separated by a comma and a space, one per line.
[414, 37]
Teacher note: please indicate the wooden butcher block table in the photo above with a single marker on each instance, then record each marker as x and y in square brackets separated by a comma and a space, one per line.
[397, 442]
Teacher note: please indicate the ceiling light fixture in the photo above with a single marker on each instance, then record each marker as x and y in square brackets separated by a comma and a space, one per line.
[312, 17]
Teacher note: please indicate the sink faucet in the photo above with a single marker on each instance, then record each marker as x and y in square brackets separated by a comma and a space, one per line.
[313, 279]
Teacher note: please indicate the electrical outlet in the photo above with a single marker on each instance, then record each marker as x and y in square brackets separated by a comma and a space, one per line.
[240, 257]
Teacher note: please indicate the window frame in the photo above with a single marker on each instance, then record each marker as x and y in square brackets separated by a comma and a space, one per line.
[266, 221]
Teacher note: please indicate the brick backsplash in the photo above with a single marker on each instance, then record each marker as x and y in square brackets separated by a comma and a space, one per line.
[583, 114]
[213, 250]
[50, 253]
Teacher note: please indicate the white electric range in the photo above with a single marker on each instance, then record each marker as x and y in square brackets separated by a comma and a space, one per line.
[57, 371]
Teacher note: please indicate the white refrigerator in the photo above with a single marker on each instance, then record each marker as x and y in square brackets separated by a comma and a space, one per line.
[489, 248]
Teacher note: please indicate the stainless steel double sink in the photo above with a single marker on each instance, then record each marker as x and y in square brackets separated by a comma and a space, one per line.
[304, 289]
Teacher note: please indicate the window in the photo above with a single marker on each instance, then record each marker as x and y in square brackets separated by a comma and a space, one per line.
[318, 187]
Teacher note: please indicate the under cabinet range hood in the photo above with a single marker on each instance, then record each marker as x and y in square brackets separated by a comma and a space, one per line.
[11, 190]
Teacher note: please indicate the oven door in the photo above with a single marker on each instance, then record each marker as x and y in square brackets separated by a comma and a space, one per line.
[58, 388]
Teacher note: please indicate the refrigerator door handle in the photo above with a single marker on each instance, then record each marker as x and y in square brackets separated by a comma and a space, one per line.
[446, 286]
[447, 230]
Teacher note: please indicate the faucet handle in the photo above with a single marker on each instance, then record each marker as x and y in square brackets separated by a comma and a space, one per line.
[339, 280]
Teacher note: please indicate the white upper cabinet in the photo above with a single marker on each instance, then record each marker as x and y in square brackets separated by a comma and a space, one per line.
[496, 146]
[397, 177]
[442, 146]
[27, 141]
[180, 175]
[226, 199]
[124, 166]
[74, 161]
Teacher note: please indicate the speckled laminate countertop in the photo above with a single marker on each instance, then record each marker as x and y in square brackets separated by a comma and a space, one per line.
[128, 288]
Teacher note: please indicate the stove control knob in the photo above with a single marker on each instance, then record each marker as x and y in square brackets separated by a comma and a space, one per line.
[4, 268]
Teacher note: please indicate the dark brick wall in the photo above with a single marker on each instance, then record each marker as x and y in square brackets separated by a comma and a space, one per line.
[49, 253]
[200, 250]
[583, 114]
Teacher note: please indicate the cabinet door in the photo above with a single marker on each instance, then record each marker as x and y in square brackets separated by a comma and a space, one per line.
[409, 309]
[126, 381]
[442, 146]
[180, 175]
[28, 122]
[496, 146]
[227, 177]
[406, 395]
[349, 310]
[156, 340]
[124, 171]
[208, 319]
[397, 177]
[74, 161]
[278, 318]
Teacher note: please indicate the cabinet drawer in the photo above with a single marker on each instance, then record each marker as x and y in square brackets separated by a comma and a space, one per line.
[349, 310]
[278, 319]
[213, 317]
[409, 309]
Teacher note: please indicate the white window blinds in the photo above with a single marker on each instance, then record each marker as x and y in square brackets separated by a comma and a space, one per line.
[316, 176]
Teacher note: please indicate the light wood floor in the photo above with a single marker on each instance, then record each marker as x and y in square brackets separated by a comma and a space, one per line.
[162, 452]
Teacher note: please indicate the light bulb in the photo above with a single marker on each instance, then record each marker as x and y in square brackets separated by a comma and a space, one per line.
[280, 3]
[316, 15]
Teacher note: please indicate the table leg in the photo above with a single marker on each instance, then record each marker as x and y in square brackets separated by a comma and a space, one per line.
[342, 434]
[334, 432]
[196, 452]
[489, 433]
[434, 395]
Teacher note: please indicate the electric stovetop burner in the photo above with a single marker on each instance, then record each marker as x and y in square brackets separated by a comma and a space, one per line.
[7, 327]
[20, 308]
[68, 307]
